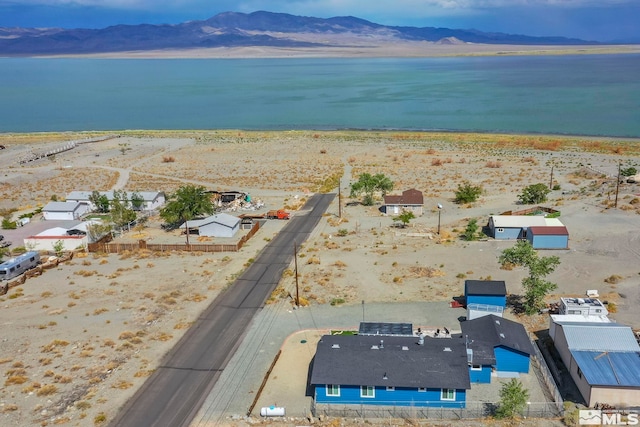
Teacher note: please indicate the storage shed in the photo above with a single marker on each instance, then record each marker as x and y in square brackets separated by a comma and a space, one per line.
[548, 237]
[505, 227]
[484, 297]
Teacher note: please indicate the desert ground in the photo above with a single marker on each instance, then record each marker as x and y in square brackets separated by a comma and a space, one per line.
[340, 46]
[78, 340]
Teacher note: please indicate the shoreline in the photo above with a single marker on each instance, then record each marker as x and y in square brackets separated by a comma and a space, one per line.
[356, 50]
[429, 134]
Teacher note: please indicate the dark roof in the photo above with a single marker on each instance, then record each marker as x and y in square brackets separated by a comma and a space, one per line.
[361, 360]
[408, 197]
[548, 231]
[485, 287]
[488, 332]
[385, 329]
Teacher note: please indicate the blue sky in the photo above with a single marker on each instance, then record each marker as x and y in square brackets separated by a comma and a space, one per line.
[600, 20]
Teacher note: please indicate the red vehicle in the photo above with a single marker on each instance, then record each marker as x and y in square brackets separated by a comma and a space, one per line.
[278, 214]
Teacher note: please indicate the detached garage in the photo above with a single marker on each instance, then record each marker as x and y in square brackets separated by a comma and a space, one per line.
[548, 237]
[218, 225]
[64, 210]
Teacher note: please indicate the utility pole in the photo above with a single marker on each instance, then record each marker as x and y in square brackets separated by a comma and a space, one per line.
[551, 180]
[615, 205]
[295, 258]
[339, 199]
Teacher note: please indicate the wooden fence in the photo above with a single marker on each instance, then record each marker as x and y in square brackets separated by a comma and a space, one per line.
[105, 245]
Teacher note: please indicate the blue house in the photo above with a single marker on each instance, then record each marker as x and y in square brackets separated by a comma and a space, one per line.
[548, 237]
[510, 227]
[390, 371]
[484, 297]
[495, 344]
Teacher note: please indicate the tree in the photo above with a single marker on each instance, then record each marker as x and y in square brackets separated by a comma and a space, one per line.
[100, 201]
[520, 254]
[471, 232]
[185, 204]
[513, 399]
[58, 247]
[121, 214]
[95, 231]
[535, 286]
[405, 217]
[367, 184]
[467, 193]
[536, 193]
[137, 201]
[630, 171]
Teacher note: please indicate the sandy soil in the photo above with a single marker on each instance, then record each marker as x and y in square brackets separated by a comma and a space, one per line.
[354, 47]
[78, 340]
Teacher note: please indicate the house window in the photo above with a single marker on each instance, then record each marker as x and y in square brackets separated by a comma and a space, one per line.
[579, 372]
[422, 390]
[448, 394]
[476, 367]
[367, 391]
[333, 390]
[391, 388]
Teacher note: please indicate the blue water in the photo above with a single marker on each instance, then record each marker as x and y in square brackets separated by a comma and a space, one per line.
[581, 94]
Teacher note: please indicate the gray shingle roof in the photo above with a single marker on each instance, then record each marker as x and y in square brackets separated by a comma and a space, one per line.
[361, 360]
[147, 196]
[485, 287]
[220, 218]
[61, 206]
[487, 332]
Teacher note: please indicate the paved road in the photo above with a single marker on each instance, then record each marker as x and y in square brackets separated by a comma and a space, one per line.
[174, 393]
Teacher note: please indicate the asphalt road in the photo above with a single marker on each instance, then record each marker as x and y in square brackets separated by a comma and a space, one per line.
[175, 392]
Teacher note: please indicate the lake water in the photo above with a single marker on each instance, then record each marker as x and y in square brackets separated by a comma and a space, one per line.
[581, 94]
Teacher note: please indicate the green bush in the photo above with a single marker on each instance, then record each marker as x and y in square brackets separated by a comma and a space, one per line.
[9, 225]
[467, 193]
[536, 193]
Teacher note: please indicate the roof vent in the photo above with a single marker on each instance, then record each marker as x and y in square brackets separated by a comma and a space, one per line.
[447, 349]
[502, 335]
[405, 348]
[497, 322]
[375, 347]
[335, 346]
[381, 343]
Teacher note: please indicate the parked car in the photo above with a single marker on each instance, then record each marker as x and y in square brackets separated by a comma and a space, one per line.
[5, 244]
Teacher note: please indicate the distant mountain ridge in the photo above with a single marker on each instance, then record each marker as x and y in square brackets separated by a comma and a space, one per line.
[232, 29]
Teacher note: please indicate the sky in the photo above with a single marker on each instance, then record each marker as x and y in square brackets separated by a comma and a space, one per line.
[597, 20]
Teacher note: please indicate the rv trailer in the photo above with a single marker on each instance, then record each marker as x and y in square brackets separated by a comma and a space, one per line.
[14, 267]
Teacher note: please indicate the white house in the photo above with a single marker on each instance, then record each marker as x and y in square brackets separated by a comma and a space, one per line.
[151, 199]
[218, 225]
[64, 210]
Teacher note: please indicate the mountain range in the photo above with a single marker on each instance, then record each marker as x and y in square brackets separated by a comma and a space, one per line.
[232, 29]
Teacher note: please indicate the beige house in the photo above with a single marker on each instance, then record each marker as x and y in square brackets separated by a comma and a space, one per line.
[603, 358]
[410, 201]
